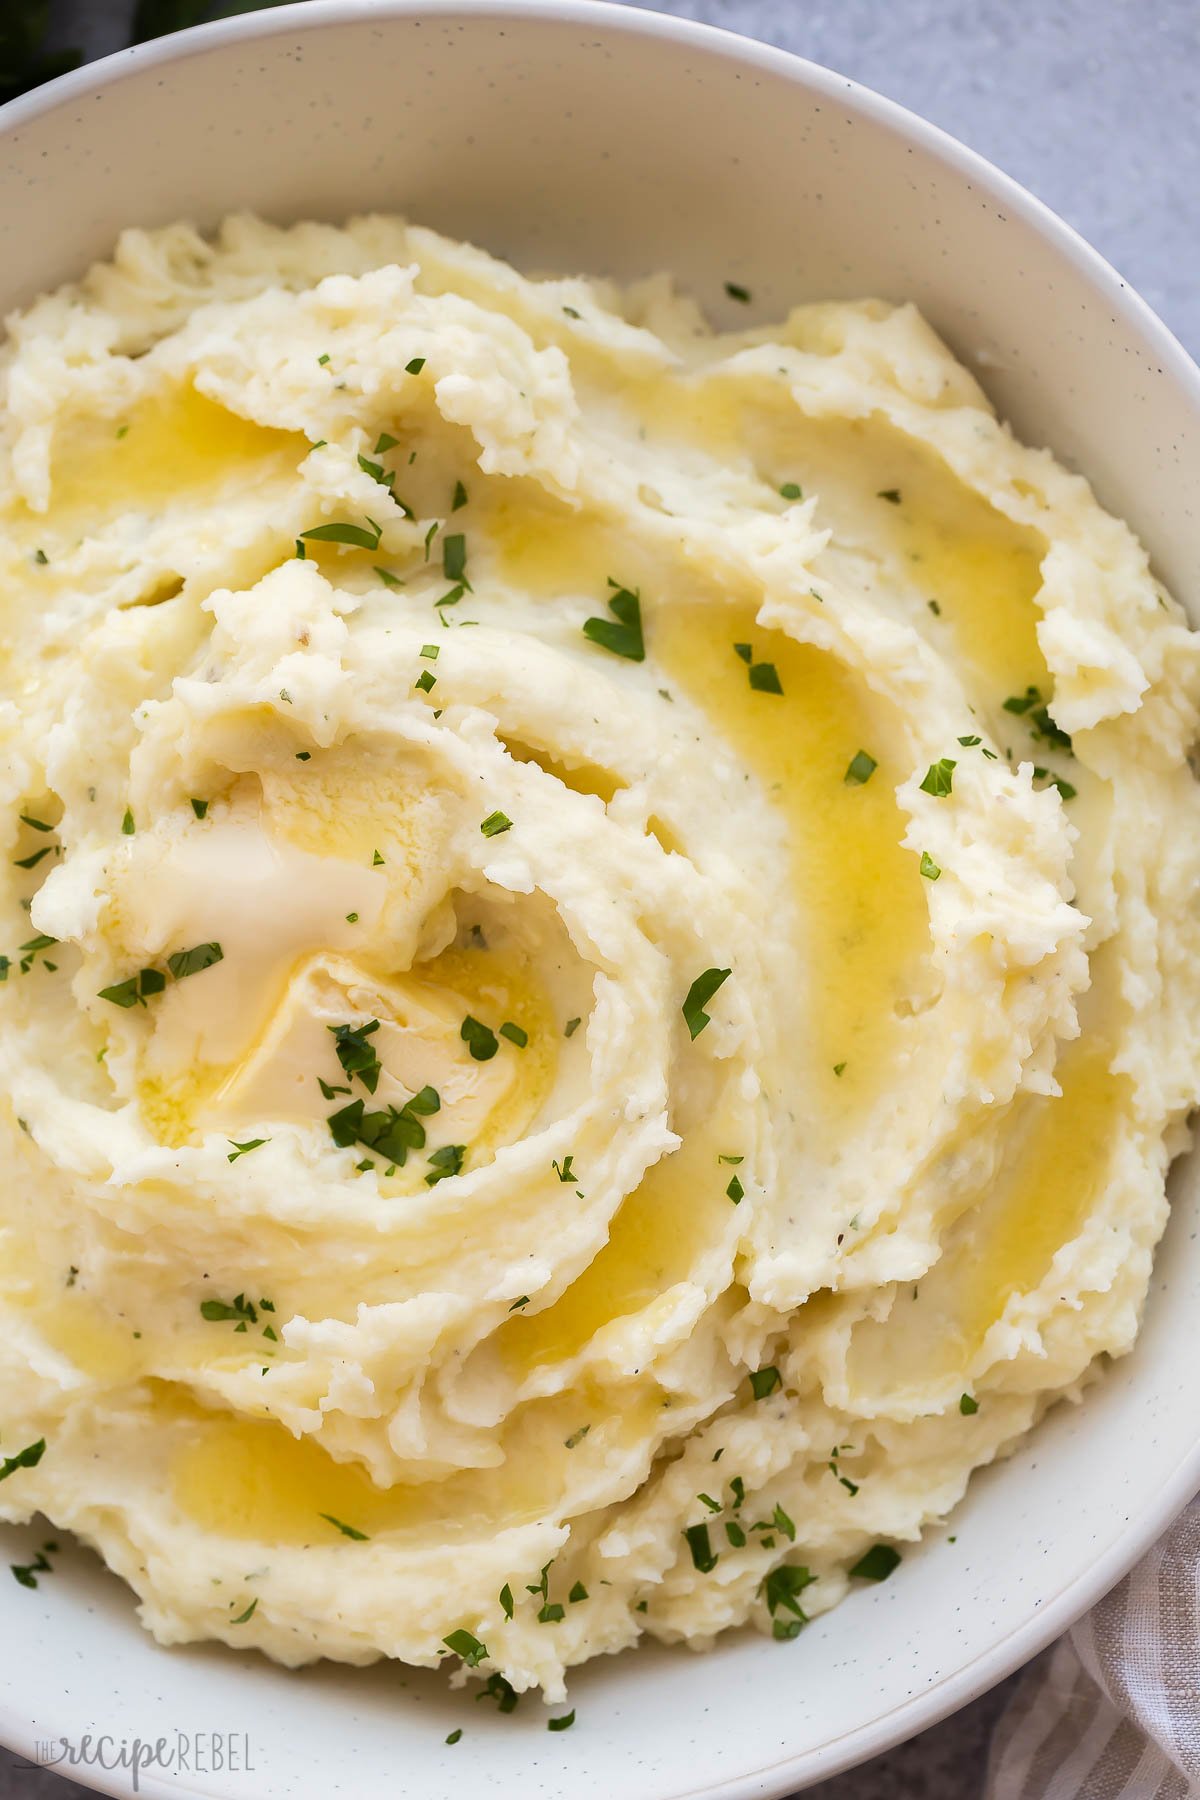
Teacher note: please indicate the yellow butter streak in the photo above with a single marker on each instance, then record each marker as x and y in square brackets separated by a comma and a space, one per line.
[1057, 1156]
[251, 1479]
[860, 905]
[170, 442]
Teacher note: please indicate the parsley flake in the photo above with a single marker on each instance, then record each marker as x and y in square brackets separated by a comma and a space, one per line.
[878, 1563]
[765, 1381]
[480, 1039]
[350, 1531]
[929, 869]
[28, 1458]
[698, 997]
[939, 778]
[183, 963]
[495, 823]
[243, 1149]
[860, 769]
[466, 1645]
[622, 634]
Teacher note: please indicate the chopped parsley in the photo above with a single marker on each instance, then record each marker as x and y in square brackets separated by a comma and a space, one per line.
[386, 576]
[240, 1309]
[501, 1691]
[199, 807]
[939, 778]
[791, 490]
[698, 997]
[385, 441]
[454, 556]
[929, 868]
[32, 861]
[323, 358]
[622, 634]
[392, 1133]
[460, 497]
[244, 1618]
[967, 1405]
[361, 537]
[27, 1573]
[446, 1161]
[1031, 706]
[735, 1534]
[566, 1169]
[136, 989]
[127, 825]
[350, 1531]
[430, 652]
[466, 1645]
[892, 494]
[563, 1722]
[480, 1039]
[425, 681]
[28, 1458]
[519, 1302]
[571, 1027]
[183, 963]
[764, 678]
[765, 1381]
[376, 860]
[452, 1737]
[244, 1149]
[577, 1593]
[860, 769]
[839, 1068]
[506, 1600]
[495, 823]
[704, 1557]
[878, 1563]
[415, 366]
[735, 1190]
[514, 1033]
[782, 1588]
[737, 292]
[34, 824]
[551, 1613]
[356, 1055]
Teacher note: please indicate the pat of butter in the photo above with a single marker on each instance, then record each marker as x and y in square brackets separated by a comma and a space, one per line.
[418, 1044]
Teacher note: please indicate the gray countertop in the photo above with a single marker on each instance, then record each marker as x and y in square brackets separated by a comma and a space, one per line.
[1095, 106]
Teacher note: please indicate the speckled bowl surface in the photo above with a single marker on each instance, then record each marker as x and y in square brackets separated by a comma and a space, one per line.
[581, 136]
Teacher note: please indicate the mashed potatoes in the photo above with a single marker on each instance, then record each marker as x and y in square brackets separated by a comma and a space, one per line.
[601, 945]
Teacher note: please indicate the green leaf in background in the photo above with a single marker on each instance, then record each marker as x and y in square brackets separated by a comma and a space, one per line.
[24, 63]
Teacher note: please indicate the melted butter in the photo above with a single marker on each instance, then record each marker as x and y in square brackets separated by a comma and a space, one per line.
[981, 568]
[1057, 1156]
[498, 987]
[544, 546]
[252, 1480]
[860, 906]
[657, 1236]
[170, 442]
[84, 1331]
[580, 776]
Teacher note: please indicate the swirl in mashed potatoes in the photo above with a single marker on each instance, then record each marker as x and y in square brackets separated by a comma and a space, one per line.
[601, 945]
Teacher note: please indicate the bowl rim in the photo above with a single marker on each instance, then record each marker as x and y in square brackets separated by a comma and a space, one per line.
[630, 18]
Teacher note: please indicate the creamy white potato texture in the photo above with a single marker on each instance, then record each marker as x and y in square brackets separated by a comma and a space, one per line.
[601, 945]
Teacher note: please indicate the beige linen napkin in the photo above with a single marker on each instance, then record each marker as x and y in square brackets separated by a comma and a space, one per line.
[1112, 1710]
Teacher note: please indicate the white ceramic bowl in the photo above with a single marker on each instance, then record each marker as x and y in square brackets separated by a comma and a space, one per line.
[581, 136]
